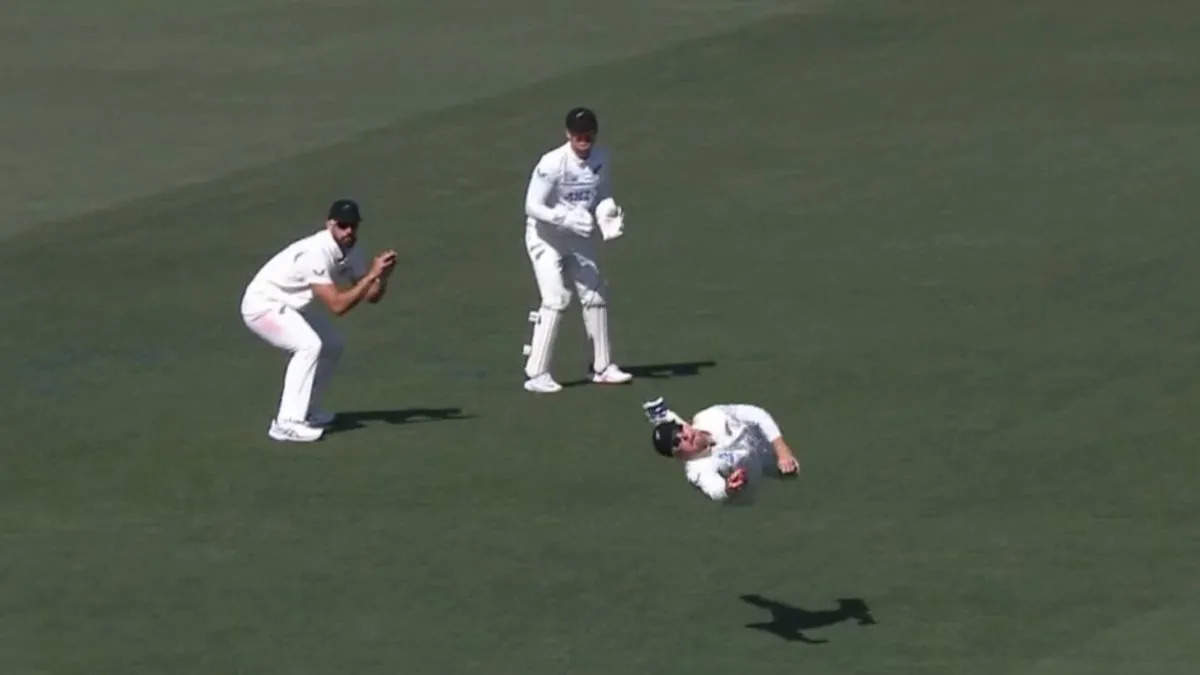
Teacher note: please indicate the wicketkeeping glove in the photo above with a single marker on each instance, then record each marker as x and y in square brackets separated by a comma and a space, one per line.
[579, 221]
[610, 218]
[657, 411]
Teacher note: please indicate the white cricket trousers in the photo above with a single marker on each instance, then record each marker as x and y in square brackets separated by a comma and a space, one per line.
[560, 259]
[563, 262]
[315, 347]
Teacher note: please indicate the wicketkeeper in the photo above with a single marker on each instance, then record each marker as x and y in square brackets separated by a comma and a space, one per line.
[726, 449]
[569, 208]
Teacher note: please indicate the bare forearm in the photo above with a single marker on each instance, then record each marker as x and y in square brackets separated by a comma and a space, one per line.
[782, 451]
[785, 459]
[344, 301]
[376, 291]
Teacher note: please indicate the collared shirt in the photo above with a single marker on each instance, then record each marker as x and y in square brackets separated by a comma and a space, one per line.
[742, 439]
[562, 179]
[287, 278]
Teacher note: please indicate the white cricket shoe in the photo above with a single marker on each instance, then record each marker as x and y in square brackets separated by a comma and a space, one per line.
[612, 375]
[320, 418]
[542, 384]
[296, 432]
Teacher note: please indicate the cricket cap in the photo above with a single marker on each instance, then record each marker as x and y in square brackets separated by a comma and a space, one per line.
[666, 435]
[345, 211]
[582, 121]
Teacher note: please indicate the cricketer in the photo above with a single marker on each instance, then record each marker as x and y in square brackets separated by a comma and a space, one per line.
[276, 307]
[725, 449]
[568, 206]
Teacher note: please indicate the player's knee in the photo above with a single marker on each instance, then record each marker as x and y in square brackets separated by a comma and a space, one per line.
[557, 301]
[594, 297]
[310, 346]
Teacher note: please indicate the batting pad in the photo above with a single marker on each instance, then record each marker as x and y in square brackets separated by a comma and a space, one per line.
[541, 348]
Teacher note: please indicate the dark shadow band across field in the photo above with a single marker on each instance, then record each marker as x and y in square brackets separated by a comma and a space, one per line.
[356, 419]
[788, 622]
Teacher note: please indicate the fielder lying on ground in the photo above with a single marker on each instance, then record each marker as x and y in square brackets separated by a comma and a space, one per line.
[725, 449]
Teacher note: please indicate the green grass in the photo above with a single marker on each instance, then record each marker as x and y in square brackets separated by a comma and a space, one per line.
[950, 249]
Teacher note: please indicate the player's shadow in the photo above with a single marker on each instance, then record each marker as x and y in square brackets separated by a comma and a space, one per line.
[790, 622]
[656, 371]
[356, 419]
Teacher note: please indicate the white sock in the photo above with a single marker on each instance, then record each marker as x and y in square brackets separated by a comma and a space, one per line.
[541, 349]
[595, 321]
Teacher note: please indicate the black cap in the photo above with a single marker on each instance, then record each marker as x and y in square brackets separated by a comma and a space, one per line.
[666, 435]
[345, 211]
[582, 121]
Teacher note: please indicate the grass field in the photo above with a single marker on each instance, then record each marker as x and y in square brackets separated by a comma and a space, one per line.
[949, 245]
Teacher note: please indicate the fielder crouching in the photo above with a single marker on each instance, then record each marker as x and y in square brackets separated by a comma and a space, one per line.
[277, 307]
[726, 449]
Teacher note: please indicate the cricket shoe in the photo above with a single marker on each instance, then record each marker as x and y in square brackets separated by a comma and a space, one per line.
[542, 384]
[295, 432]
[612, 375]
[320, 418]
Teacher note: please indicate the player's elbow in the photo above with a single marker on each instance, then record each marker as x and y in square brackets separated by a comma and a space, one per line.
[712, 490]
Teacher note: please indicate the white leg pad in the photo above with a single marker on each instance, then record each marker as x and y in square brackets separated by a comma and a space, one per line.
[541, 349]
[595, 321]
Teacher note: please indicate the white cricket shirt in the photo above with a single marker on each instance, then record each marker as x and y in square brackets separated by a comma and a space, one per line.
[288, 276]
[742, 436]
[564, 180]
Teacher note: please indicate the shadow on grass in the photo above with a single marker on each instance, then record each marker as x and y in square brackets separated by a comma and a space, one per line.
[789, 622]
[356, 419]
[656, 371]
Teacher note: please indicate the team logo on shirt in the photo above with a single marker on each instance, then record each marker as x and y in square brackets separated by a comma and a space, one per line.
[578, 195]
